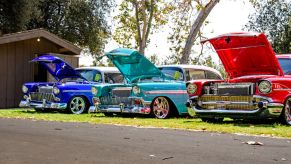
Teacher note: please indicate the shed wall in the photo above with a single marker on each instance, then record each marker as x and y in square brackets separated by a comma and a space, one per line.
[15, 68]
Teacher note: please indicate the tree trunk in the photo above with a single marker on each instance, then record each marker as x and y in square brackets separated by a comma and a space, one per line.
[204, 12]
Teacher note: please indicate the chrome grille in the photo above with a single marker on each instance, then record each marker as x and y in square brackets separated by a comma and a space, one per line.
[45, 89]
[121, 92]
[37, 96]
[228, 102]
[238, 89]
[115, 100]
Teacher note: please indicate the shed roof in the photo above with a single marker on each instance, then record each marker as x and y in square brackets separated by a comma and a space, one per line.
[37, 33]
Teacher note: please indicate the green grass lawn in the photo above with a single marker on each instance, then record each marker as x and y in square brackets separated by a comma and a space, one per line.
[267, 128]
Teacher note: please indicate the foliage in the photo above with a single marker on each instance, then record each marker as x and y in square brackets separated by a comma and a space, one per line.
[138, 19]
[273, 17]
[82, 22]
[267, 128]
[188, 18]
[14, 14]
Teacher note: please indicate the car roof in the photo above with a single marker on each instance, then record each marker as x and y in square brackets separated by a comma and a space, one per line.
[201, 67]
[102, 69]
[283, 55]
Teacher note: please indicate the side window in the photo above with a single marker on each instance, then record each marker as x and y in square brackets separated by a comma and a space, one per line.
[113, 78]
[211, 75]
[196, 74]
[187, 75]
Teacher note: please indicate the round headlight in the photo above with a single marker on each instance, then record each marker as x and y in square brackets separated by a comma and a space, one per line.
[94, 90]
[56, 90]
[24, 89]
[265, 87]
[136, 90]
[191, 88]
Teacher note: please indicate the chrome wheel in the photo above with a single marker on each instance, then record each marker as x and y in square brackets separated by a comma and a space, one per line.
[161, 107]
[286, 115]
[77, 105]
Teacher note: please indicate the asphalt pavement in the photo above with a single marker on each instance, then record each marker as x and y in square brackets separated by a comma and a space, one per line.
[42, 142]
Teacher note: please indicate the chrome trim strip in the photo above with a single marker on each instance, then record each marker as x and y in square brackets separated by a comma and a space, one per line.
[226, 103]
[167, 92]
[76, 90]
[282, 89]
[224, 111]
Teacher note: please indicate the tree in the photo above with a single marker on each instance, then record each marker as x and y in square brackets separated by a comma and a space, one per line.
[188, 18]
[273, 17]
[136, 22]
[82, 22]
[78, 21]
[14, 14]
[203, 13]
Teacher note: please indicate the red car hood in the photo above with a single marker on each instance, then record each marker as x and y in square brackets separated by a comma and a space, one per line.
[245, 54]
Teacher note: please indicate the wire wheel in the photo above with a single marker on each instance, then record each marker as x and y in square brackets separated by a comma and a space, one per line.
[161, 107]
[77, 105]
[286, 114]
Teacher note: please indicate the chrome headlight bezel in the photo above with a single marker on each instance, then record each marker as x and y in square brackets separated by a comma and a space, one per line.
[136, 90]
[94, 91]
[191, 88]
[56, 90]
[265, 87]
[24, 89]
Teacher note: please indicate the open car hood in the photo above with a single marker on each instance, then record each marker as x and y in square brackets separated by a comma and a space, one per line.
[58, 68]
[246, 54]
[132, 64]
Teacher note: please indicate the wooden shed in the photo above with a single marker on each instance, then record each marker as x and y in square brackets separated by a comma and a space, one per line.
[17, 49]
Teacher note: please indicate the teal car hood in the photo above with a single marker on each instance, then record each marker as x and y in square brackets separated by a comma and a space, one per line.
[132, 64]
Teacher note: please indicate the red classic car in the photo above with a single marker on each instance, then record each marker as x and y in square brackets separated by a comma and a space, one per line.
[258, 84]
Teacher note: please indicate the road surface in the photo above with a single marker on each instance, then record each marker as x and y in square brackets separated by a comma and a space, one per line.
[42, 142]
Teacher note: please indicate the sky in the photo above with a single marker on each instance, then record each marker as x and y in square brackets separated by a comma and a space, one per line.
[227, 16]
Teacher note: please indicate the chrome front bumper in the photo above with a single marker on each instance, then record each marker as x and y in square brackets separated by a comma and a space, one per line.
[267, 109]
[42, 105]
[142, 108]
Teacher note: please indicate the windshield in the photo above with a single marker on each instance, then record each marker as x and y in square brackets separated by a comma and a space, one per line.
[286, 65]
[173, 73]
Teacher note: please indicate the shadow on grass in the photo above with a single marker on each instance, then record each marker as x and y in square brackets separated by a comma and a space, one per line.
[272, 123]
[237, 122]
[32, 111]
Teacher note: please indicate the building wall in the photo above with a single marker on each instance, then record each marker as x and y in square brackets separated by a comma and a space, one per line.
[15, 68]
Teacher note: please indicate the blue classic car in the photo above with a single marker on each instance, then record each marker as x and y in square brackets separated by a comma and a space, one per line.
[147, 91]
[72, 89]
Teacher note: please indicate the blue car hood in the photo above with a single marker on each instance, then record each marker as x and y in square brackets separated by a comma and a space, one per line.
[58, 68]
[132, 64]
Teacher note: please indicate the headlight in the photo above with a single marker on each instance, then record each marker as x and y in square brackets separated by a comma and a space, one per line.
[94, 90]
[56, 90]
[136, 90]
[191, 88]
[265, 87]
[24, 89]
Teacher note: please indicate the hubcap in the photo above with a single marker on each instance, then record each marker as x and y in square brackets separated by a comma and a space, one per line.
[287, 111]
[161, 107]
[77, 105]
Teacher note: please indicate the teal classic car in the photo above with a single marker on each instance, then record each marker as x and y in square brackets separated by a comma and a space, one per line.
[146, 91]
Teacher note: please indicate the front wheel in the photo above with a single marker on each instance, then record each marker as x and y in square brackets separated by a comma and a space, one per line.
[161, 107]
[286, 113]
[77, 105]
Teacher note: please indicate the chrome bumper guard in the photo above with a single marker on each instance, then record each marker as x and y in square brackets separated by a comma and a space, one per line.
[142, 108]
[42, 105]
[266, 108]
